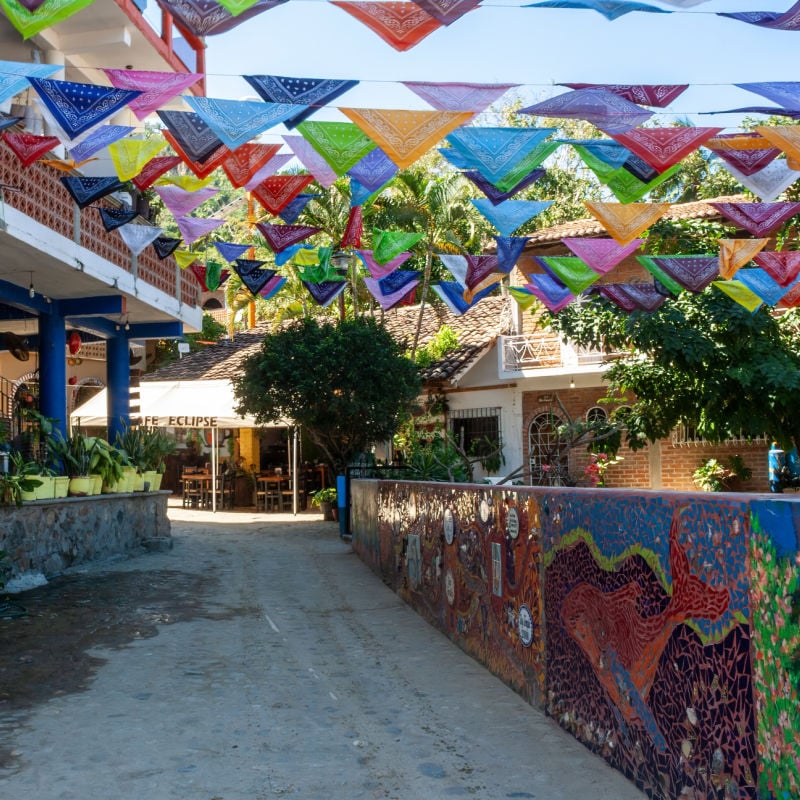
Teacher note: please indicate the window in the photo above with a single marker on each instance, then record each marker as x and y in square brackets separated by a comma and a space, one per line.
[548, 453]
[596, 415]
[477, 430]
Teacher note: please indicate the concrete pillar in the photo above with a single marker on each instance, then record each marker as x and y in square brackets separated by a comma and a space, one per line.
[118, 377]
[53, 369]
[654, 464]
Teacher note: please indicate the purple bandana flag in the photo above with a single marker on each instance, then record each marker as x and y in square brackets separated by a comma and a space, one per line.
[279, 237]
[311, 160]
[605, 110]
[632, 296]
[782, 266]
[655, 95]
[459, 96]
[550, 291]
[495, 195]
[157, 88]
[759, 219]
[137, 237]
[179, 202]
[292, 210]
[610, 9]
[251, 274]
[762, 284]
[98, 139]
[307, 94]
[509, 249]
[14, 76]
[85, 191]
[230, 251]
[452, 295]
[748, 153]
[78, 107]
[326, 292]
[165, 246]
[272, 286]
[447, 11]
[378, 271]
[783, 21]
[374, 170]
[193, 135]
[602, 255]
[208, 17]
[113, 218]
[784, 93]
[393, 289]
[511, 214]
[692, 273]
[192, 228]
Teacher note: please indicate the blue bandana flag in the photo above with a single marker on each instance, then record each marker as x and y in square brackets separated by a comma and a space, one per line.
[8, 122]
[98, 139]
[251, 274]
[508, 216]
[374, 170]
[761, 283]
[610, 9]
[192, 133]
[290, 212]
[14, 76]
[509, 249]
[165, 246]
[326, 292]
[452, 295]
[85, 191]
[116, 217]
[230, 252]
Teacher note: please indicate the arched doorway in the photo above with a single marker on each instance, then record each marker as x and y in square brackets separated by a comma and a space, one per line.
[548, 452]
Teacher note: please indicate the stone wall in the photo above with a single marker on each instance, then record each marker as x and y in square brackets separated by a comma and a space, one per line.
[656, 627]
[48, 536]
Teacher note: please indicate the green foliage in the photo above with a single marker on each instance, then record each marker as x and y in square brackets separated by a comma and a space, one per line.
[345, 383]
[445, 341]
[77, 453]
[434, 457]
[324, 496]
[167, 349]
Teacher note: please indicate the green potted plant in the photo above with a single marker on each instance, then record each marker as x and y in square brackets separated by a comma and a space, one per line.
[158, 445]
[109, 463]
[325, 500]
[25, 475]
[131, 442]
[77, 453]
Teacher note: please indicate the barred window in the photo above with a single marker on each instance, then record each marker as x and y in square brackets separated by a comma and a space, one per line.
[596, 414]
[477, 430]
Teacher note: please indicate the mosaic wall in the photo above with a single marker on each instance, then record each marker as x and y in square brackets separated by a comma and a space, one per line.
[667, 623]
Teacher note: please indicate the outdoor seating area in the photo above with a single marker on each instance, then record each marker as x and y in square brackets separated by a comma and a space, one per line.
[197, 492]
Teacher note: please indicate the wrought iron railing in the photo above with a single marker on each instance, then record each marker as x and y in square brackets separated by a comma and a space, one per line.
[526, 351]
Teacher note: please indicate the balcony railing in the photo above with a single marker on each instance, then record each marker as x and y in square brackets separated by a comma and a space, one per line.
[530, 352]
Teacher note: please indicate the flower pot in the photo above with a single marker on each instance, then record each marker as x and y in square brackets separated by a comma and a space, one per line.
[326, 507]
[47, 489]
[128, 479]
[113, 488]
[138, 482]
[28, 496]
[97, 484]
[149, 479]
[61, 486]
[156, 483]
[81, 486]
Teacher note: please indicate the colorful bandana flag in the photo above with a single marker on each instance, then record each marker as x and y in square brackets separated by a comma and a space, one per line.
[782, 266]
[692, 273]
[386, 245]
[509, 249]
[294, 208]
[279, 237]
[759, 219]
[452, 295]
[378, 271]
[277, 192]
[655, 95]
[571, 271]
[447, 11]
[761, 283]
[324, 292]
[737, 291]
[361, 195]
[100, 137]
[241, 165]
[113, 218]
[180, 203]
[665, 147]
[792, 298]
[511, 214]
[626, 222]
[632, 296]
[784, 93]
[272, 286]
[195, 139]
[494, 195]
[524, 297]
[28, 147]
[153, 170]
[470, 271]
[602, 255]
[746, 152]
[156, 88]
[341, 144]
[402, 25]
[474, 97]
[202, 169]
[211, 276]
[208, 17]
[193, 228]
[550, 291]
[735, 253]
[8, 122]
[230, 251]
[189, 183]
[394, 288]
[376, 169]
[354, 229]
[129, 156]
[252, 275]
[85, 191]
[79, 107]
[165, 246]
[137, 237]
[47, 14]
[783, 21]
[406, 136]
[236, 7]
[606, 110]
[496, 151]
[307, 94]
[785, 137]
[14, 76]
[272, 167]
[312, 160]
[610, 9]
[184, 257]
[610, 152]
[768, 183]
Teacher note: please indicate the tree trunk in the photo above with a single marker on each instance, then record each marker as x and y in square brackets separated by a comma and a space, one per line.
[426, 279]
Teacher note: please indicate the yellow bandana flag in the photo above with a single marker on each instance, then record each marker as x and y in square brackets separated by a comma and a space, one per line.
[184, 258]
[735, 253]
[129, 156]
[191, 183]
[737, 291]
[626, 222]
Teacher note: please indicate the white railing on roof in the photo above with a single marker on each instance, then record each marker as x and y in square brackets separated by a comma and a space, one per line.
[525, 352]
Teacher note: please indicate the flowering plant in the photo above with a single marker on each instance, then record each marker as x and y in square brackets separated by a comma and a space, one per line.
[595, 470]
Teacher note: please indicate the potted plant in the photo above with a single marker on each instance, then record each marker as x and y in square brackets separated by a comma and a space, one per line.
[325, 500]
[77, 453]
[131, 442]
[109, 463]
[158, 445]
[24, 477]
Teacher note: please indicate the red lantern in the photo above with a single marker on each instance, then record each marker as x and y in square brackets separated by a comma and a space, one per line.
[73, 380]
[74, 343]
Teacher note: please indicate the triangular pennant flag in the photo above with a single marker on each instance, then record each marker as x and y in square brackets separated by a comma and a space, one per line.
[184, 257]
[8, 122]
[524, 297]
[495, 195]
[632, 296]
[165, 246]
[312, 160]
[488, 283]
[14, 76]
[655, 95]
[550, 291]
[190, 135]
[513, 177]
[784, 93]
[210, 277]
[114, 218]
[509, 249]
[28, 147]
[241, 165]
[277, 192]
[193, 228]
[202, 169]
[761, 283]
[307, 94]
[769, 183]
[743, 295]
[252, 274]
[665, 147]
[386, 245]
[664, 278]
[378, 271]
[474, 97]
[571, 271]
[783, 21]
[85, 191]
[496, 151]
[606, 110]
[67, 165]
[236, 7]
[49, 13]
[692, 273]
[470, 271]
[735, 253]
[129, 156]
[208, 17]
[792, 298]
[374, 170]
[230, 251]
[406, 136]
[602, 255]
[611, 153]
[511, 214]
[137, 237]
[390, 298]
[153, 170]
[272, 167]
[102, 136]
[354, 229]
[457, 266]
[452, 295]
[400, 24]
[758, 219]
[447, 11]
[325, 292]
[237, 121]
[783, 267]
[341, 144]
[279, 237]
[748, 153]
[189, 183]
[785, 137]
[78, 107]
[361, 195]
[272, 286]
[180, 202]
[626, 222]
[294, 208]
[610, 9]
[157, 88]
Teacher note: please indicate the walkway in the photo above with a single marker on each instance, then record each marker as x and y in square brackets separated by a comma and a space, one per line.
[259, 658]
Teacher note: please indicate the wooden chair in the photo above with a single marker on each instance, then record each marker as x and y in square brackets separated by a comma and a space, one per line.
[193, 490]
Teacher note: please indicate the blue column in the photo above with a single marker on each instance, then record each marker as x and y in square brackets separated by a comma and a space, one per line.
[53, 368]
[118, 374]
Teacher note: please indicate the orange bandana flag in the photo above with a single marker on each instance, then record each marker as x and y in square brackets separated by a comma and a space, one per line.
[735, 253]
[787, 139]
[626, 222]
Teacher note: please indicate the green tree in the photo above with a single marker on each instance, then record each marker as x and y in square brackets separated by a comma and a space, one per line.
[346, 383]
[167, 349]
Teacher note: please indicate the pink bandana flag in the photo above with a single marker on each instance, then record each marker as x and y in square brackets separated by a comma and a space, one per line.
[192, 228]
[602, 255]
[179, 202]
[474, 97]
[377, 270]
[664, 147]
[156, 88]
[783, 267]
[656, 95]
[402, 25]
[311, 160]
[759, 219]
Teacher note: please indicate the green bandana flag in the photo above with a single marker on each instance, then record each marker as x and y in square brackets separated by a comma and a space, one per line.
[388, 244]
[48, 14]
[573, 273]
[649, 263]
[341, 144]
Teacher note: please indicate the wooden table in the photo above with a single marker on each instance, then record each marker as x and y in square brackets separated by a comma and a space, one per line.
[196, 489]
[271, 490]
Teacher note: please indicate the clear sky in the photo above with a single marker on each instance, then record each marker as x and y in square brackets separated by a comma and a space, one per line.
[503, 42]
